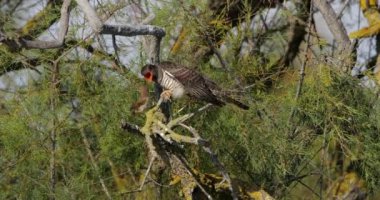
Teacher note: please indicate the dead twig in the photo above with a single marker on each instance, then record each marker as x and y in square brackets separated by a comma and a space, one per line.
[144, 178]
[302, 73]
[185, 117]
[93, 162]
[184, 163]
[340, 13]
[64, 25]
[223, 62]
[214, 160]
[115, 48]
[154, 126]
[334, 23]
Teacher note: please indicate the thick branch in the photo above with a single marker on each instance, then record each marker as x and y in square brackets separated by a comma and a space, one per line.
[43, 20]
[302, 73]
[296, 35]
[95, 22]
[335, 25]
[98, 26]
[154, 126]
[24, 43]
[22, 64]
[133, 30]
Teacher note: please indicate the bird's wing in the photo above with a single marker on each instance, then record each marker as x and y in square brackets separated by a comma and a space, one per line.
[195, 84]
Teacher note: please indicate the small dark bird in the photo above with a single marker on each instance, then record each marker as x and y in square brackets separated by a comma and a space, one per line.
[180, 80]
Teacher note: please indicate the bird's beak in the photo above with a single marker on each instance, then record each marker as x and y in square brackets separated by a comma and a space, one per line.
[149, 77]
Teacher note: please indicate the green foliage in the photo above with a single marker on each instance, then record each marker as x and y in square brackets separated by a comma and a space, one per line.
[335, 118]
[333, 110]
[28, 120]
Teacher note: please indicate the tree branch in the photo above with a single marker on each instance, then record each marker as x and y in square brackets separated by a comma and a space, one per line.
[334, 23]
[128, 31]
[98, 26]
[93, 162]
[184, 163]
[154, 126]
[302, 73]
[38, 44]
[95, 23]
[90, 14]
[42, 20]
[214, 160]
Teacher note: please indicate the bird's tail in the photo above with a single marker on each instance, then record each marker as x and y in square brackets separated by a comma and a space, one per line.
[239, 104]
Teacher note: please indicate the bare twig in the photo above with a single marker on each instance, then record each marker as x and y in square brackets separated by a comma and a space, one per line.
[154, 156]
[157, 49]
[98, 26]
[95, 22]
[214, 159]
[335, 25]
[64, 24]
[115, 48]
[155, 126]
[340, 13]
[302, 71]
[323, 159]
[53, 132]
[176, 137]
[191, 173]
[263, 20]
[223, 62]
[185, 117]
[147, 171]
[157, 183]
[148, 19]
[93, 162]
[309, 188]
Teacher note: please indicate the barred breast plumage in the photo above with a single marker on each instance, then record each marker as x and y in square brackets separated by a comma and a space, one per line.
[169, 82]
[180, 80]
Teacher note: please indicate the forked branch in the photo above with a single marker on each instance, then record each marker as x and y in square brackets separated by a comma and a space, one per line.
[154, 127]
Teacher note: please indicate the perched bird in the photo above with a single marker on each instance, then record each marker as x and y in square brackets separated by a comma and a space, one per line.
[180, 80]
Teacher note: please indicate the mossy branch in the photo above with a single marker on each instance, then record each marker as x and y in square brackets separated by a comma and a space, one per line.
[48, 16]
[19, 43]
[154, 126]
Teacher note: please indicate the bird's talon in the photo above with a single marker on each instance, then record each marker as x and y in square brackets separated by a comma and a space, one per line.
[166, 95]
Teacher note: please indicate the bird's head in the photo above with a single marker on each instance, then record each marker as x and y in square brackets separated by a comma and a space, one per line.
[150, 72]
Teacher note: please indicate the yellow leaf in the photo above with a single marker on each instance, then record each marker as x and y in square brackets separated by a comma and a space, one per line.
[366, 32]
[373, 16]
[349, 183]
[365, 4]
[175, 180]
[260, 195]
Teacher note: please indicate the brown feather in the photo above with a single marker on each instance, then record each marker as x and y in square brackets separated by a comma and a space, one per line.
[195, 84]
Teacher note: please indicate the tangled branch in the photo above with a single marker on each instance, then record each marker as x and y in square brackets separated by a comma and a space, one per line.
[154, 128]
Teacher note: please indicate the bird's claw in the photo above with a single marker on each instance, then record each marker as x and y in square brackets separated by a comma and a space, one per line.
[222, 182]
[166, 94]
